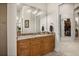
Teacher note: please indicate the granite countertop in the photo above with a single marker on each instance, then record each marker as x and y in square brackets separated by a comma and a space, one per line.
[32, 36]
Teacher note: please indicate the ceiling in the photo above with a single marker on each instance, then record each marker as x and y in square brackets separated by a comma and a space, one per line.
[42, 6]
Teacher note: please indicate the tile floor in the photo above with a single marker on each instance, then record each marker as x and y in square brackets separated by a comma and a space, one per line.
[54, 54]
[68, 48]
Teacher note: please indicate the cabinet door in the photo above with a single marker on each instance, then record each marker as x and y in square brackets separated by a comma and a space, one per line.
[35, 46]
[47, 44]
[3, 29]
[51, 45]
[35, 50]
[23, 47]
[24, 52]
[53, 41]
[44, 45]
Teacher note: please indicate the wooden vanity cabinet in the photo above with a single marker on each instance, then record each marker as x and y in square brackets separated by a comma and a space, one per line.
[36, 46]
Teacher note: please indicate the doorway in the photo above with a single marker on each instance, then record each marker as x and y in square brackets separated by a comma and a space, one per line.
[3, 29]
[67, 27]
[69, 30]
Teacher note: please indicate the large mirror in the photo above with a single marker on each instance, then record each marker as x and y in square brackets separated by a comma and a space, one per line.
[76, 13]
[31, 19]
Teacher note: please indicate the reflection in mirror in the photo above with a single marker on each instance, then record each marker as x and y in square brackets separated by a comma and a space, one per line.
[30, 18]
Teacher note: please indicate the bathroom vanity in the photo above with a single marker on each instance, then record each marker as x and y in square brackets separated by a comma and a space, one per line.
[35, 45]
[35, 35]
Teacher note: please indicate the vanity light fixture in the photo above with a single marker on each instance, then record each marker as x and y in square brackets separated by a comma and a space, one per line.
[29, 10]
[39, 13]
[35, 12]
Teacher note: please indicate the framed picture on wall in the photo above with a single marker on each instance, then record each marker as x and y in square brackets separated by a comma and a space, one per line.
[26, 23]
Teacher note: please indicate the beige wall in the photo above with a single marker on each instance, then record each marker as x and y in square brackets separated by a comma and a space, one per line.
[3, 29]
[11, 29]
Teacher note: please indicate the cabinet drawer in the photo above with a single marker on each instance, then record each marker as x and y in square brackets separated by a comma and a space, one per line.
[35, 41]
[23, 48]
[25, 43]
